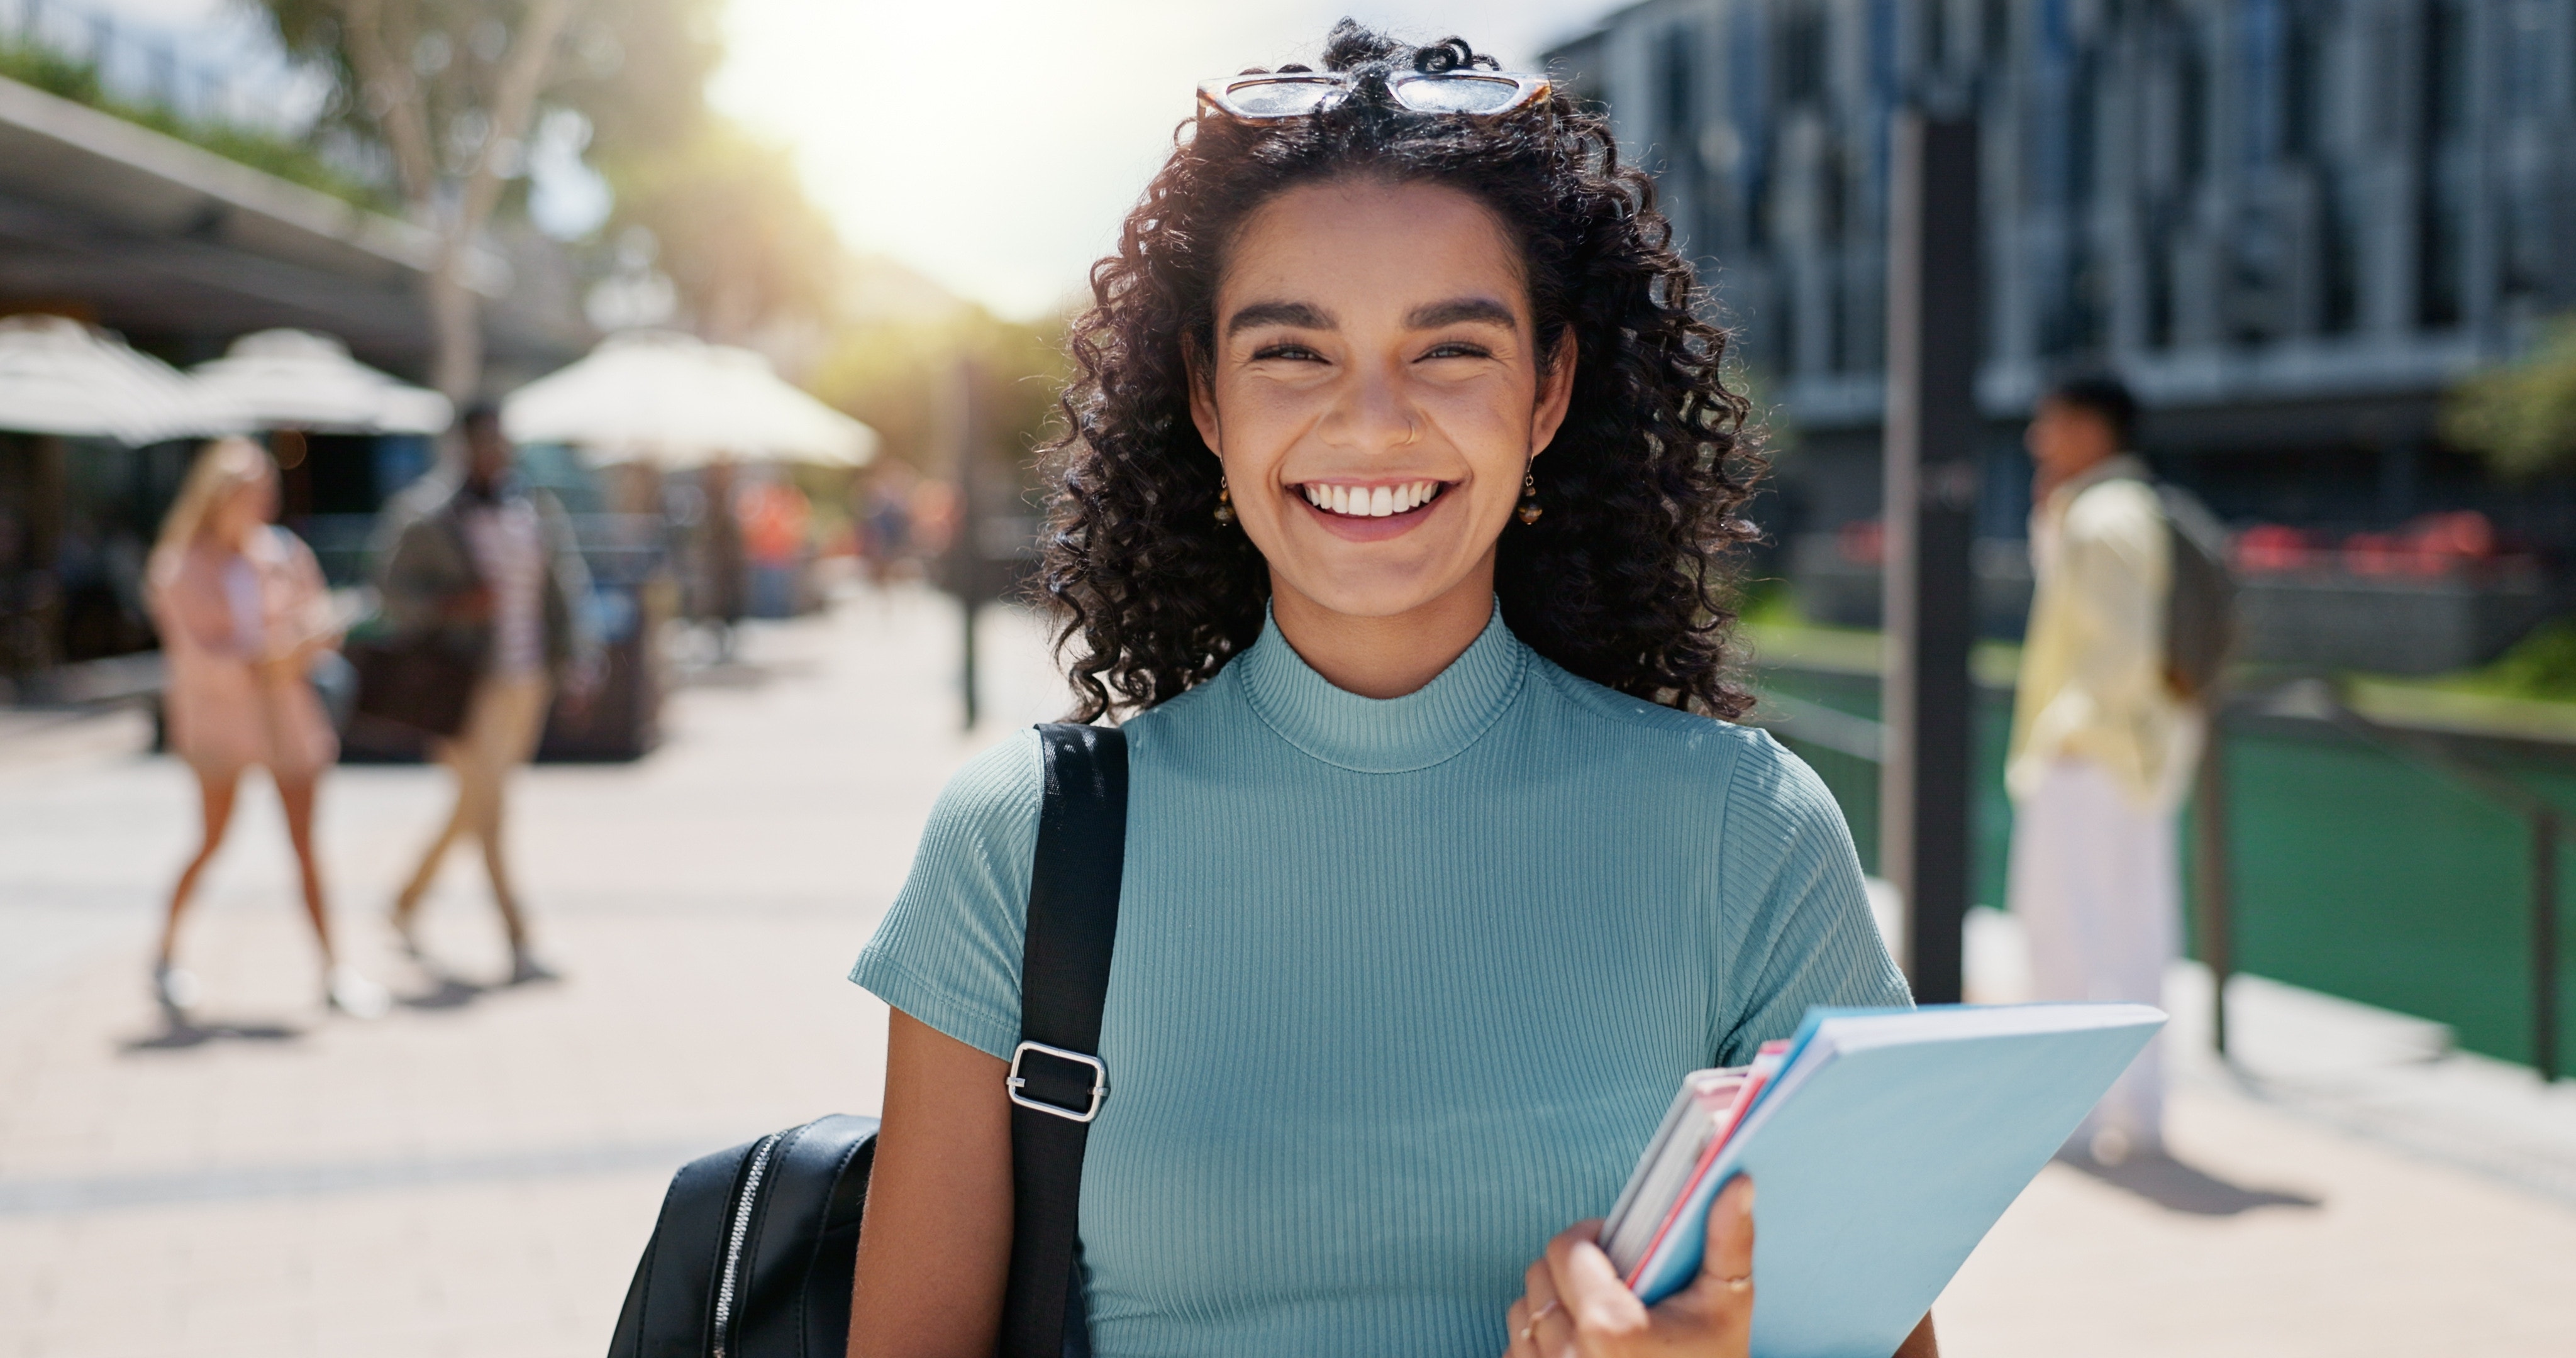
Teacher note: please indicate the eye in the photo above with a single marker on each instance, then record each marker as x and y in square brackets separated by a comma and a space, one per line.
[1458, 349]
[1294, 353]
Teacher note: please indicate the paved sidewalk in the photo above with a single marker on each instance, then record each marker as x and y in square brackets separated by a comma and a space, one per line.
[2271, 1238]
[475, 1174]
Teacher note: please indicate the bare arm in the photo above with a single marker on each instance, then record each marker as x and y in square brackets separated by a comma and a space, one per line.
[935, 1246]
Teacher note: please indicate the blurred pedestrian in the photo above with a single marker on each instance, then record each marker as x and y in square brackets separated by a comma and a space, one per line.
[777, 527]
[491, 563]
[2101, 744]
[243, 615]
[884, 514]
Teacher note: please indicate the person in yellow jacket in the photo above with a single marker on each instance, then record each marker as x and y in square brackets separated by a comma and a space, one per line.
[2101, 744]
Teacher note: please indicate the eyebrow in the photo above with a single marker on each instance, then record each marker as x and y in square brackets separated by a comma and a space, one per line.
[1298, 314]
[1457, 310]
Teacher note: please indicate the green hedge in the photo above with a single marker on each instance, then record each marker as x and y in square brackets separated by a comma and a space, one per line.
[286, 158]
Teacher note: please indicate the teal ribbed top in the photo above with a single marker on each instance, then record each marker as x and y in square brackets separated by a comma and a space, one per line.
[1401, 986]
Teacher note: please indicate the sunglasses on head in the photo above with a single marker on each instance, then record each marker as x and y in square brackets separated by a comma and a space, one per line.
[1294, 94]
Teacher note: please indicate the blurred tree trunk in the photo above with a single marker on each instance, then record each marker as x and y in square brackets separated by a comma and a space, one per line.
[452, 195]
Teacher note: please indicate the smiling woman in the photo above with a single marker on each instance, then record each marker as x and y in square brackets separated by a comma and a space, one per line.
[1393, 520]
[1377, 379]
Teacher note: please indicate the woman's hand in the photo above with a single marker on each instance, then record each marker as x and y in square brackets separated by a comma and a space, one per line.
[1576, 1304]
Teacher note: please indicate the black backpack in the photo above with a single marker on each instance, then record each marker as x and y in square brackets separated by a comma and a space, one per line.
[2200, 605]
[755, 1248]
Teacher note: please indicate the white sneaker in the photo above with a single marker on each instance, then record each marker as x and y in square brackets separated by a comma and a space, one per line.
[354, 995]
[176, 989]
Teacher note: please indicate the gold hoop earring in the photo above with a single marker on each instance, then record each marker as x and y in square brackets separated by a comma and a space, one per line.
[1224, 502]
[1529, 510]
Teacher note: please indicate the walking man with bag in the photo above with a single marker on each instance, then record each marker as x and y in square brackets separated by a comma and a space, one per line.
[2104, 737]
[486, 568]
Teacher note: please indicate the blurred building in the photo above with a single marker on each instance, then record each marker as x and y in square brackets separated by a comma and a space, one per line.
[2290, 224]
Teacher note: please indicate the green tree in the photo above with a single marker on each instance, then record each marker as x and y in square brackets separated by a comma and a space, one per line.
[900, 376]
[451, 89]
[2522, 417]
[739, 239]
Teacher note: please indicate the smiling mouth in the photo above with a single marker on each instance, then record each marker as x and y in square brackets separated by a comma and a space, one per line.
[1371, 502]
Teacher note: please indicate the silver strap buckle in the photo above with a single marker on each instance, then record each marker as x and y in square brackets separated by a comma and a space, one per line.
[1099, 1081]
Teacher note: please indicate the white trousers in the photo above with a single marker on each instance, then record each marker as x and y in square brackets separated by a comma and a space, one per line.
[2094, 883]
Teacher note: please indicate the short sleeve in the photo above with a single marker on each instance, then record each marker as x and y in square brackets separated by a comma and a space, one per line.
[1796, 918]
[948, 951]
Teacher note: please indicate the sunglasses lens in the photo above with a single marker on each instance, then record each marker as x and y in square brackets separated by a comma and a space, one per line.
[1457, 94]
[1278, 98]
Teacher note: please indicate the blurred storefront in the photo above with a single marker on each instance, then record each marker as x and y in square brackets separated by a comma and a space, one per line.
[191, 257]
[92, 443]
[704, 435]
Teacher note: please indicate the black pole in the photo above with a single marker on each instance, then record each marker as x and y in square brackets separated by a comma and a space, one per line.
[1932, 432]
[2213, 878]
[2544, 943]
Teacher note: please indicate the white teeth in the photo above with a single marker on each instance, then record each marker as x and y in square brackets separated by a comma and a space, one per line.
[1371, 502]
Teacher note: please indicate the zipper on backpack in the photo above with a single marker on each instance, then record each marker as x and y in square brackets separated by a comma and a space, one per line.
[742, 1204]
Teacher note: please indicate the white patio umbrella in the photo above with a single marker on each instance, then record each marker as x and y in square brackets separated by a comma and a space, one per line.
[676, 402]
[58, 376]
[295, 379]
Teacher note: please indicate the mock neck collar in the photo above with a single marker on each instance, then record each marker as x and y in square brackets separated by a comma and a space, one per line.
[1428, 726]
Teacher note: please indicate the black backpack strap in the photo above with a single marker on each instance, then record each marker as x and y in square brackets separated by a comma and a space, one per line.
[1057, 1081]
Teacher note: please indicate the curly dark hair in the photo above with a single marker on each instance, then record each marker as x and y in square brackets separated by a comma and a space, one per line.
[1623, 580]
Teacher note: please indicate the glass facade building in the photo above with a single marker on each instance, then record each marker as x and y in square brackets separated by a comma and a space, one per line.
[2290, 224]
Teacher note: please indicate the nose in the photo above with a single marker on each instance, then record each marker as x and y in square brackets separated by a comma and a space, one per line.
[1374, 415]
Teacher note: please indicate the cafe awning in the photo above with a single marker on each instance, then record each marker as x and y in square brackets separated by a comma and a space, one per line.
[295, 379]
[58, 376]
[674, 401]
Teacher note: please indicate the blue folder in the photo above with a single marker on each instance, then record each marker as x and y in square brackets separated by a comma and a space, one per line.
[1891, 1142]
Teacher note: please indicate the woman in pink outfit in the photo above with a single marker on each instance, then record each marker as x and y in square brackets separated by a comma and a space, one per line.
[242, 612]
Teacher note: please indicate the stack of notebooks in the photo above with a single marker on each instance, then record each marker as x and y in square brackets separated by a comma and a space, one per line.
[1884, 1143]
